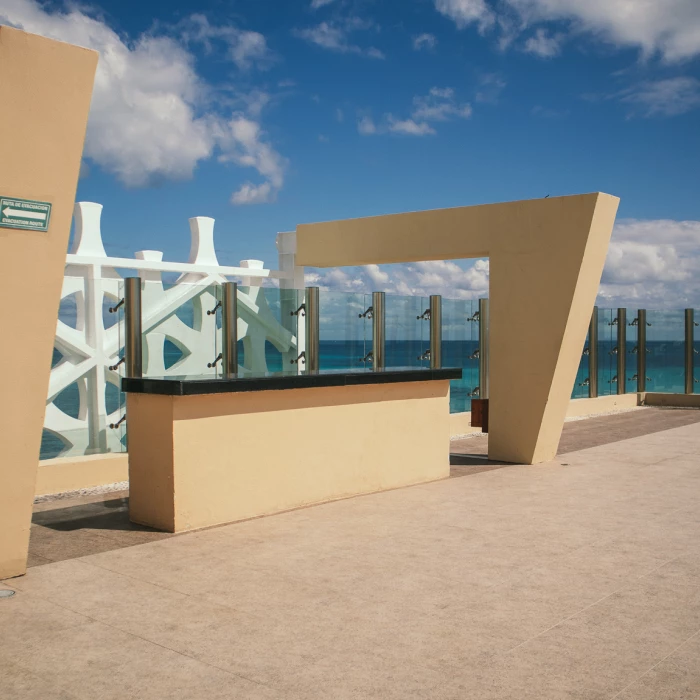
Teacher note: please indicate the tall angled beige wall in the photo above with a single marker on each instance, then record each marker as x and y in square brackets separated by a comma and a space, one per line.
[546, 261]
[46, 88]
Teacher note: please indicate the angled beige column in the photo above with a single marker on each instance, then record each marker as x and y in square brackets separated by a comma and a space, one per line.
[46, 88]
[546, 261]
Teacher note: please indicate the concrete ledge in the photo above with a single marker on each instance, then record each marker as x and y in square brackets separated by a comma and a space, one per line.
[461, 424]
[74, 473]
[601, 404]
[671, 400]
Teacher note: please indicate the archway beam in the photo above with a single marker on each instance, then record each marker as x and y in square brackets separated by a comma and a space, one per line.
[546, 261]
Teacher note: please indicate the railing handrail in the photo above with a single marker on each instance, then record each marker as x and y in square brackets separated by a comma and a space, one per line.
[166, 266]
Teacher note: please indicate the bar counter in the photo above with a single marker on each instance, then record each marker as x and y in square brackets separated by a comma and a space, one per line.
[206, 451]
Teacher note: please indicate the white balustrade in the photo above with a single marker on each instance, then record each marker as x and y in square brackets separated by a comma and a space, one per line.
[91, 347]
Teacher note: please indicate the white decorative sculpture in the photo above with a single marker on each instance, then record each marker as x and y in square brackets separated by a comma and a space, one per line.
[91, 349]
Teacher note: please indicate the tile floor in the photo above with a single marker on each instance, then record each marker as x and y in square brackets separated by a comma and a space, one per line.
[579, 578]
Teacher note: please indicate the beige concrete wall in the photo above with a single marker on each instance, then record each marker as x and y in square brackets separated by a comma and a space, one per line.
[75, 473]
[672, 400]
[461, 424]
[46, 88]
[601, 404]
[546, 261]
[237, 456]
[152, 460]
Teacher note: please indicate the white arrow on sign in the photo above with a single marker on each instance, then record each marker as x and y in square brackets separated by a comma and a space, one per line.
[9, 213]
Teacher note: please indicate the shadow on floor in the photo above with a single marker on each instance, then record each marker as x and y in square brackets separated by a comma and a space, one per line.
[62, 532]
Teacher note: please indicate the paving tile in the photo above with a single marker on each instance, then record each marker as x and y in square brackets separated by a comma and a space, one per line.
[683, 571]
[17, 683]
[677, 677]
[365, 675]
[98, 661]
[25, 615]
[645, 611]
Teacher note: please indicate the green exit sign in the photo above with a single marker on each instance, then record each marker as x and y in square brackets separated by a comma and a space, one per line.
[24, 214]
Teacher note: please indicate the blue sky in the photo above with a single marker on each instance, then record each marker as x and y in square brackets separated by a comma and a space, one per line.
[267, 113]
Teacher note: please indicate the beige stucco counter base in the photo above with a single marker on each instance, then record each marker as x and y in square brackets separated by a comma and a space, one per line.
[202, 460]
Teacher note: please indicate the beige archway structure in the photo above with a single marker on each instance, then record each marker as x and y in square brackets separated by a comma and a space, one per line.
[546, 261]
[46, 88]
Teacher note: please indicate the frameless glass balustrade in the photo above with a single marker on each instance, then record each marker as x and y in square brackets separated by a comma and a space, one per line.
[182, 337]
[666, 351]
[460, 348]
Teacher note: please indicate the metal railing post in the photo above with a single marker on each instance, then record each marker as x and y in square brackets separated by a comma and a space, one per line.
[593, 355]
[229, 328]
[621, 351]
[378, 330]
[312, 329]
[435, 331]
[133, 347]
[689, 351]
[641, 350]
[483, 348]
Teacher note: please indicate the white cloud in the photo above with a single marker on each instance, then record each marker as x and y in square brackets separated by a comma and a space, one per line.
[409, 127]
[654, 264]
[315, 4]
[334, 36]
[366, 126]
[491, 85]
[245, 48]
[468, 280]
[544, 44]
[339, 115]
[255, 102]
[466, 12]
[664, 98]
[424, 41]
[146, 124]
[439, 105]
[243, 144]
[253, 194]
[668, 28]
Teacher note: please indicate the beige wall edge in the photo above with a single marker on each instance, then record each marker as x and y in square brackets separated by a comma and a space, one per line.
[43, 126]
[72, 474]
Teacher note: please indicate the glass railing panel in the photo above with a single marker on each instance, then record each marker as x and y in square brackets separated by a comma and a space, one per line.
[607, 357]
[271, 331]
[345, 337]
[407, 331]
[460, 345]
[631, 357]
[666, 351]
[581, 389]
[181, 329]
[696, 352]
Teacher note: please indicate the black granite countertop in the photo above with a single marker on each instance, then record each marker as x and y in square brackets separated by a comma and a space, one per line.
[193, 386]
